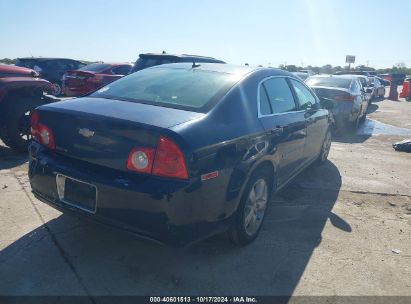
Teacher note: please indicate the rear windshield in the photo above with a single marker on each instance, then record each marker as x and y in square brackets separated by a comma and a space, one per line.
[26, 63]
[333, 82]
[94, 67]
[194, 90]
[146, 62]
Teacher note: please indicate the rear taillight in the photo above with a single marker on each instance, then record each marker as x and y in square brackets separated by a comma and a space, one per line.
[166, 160]
[169, 160]
[41, 133]
[344, 97]
[141, 160]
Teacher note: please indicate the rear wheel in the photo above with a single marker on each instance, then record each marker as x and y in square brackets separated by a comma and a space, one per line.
[56, 89]
[15, 130]
[325, 149]
[250, 214]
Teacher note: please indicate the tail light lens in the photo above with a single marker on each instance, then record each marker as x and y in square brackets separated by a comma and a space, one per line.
[169, 160]
[166, 160]
[344, 97]
[41, 133]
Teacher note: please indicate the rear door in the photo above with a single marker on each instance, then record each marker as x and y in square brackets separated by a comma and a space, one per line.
[316, 120]
[284, 124]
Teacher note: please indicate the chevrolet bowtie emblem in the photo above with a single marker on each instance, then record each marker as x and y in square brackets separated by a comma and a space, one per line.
[86, 132]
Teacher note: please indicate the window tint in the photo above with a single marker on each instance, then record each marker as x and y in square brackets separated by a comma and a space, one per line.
[363, 82]
[170, 87]
[305, 98]
[121, 70]
[333, 82]
[279, 95]
[265, 108]
[27, 63]
[355, 87]
[95, 67]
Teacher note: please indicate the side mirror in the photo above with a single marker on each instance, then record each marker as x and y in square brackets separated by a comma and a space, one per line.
[368, 91]
[326, 103]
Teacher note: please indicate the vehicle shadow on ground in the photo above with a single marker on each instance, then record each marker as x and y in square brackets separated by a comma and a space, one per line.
[110, 262]
[372, 107]
[10, 158]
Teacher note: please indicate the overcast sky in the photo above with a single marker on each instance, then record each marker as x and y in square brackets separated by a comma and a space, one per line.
[300, 32]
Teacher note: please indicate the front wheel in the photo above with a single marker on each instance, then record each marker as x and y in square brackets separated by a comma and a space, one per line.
[250, 214]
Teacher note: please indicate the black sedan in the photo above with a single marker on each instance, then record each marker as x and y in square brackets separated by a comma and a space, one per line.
[179, 152]
[349, 99]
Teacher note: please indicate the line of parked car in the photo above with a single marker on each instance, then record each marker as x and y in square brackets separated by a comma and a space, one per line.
[349, 94]
[34, 81]
[181, 148]
[76, 78]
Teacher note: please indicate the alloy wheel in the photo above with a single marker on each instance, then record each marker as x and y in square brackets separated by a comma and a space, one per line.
[255, 206]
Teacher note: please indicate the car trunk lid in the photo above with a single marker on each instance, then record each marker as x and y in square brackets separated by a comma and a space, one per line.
[76, 78]
[335, 94]
[104, 131]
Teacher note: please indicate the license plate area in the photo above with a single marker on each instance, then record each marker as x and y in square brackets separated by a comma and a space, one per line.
[77, 193]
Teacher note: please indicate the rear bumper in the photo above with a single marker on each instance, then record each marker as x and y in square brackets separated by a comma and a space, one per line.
[172, 212]
[344, 112]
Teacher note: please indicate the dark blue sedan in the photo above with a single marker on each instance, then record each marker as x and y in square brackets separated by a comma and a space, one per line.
[179, 152]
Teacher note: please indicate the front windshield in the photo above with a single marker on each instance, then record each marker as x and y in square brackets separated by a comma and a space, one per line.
[172, 87]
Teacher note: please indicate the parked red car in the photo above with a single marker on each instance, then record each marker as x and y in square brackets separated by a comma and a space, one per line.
[93, 76]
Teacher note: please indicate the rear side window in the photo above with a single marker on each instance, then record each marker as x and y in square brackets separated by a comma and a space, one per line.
[279, 95]
[305, 99]
[356, 86]
[265, 108]
[171, 87]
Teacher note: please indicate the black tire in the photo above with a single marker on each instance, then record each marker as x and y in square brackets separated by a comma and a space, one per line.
[362, 119]
[57, 89]
[325, 150]
[238, 232]
[15, 130]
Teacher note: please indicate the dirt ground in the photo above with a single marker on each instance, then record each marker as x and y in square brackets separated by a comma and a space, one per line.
[333, 231]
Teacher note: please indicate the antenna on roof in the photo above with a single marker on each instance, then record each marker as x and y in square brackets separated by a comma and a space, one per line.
[195, 65]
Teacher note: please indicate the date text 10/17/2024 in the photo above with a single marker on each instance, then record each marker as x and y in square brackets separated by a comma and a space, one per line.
[203, 300]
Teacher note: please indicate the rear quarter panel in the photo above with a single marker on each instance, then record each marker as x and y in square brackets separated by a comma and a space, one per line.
[225, 140]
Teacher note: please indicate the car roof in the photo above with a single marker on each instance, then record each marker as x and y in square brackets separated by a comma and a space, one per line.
[45, 58]
[111, 63]
[337, 76]
[177, 56]
[223, 68]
